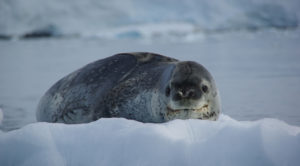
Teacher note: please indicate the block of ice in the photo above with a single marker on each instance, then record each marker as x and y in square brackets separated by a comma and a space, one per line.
[118, 141]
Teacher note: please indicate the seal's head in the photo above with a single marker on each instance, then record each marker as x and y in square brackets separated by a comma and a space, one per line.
[192, 93]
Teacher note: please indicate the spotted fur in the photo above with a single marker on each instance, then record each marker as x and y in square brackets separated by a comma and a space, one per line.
[129, 85]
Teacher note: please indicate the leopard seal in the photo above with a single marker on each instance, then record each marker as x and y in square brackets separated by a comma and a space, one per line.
[142, 86]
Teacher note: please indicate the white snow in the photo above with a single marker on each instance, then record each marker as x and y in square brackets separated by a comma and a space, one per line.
[180, 142]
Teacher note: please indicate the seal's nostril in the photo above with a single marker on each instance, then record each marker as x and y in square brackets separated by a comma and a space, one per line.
[179, 95]
[190, 93]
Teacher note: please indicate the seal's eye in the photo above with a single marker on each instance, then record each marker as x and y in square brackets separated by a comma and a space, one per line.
[204, 88]
[168, 91]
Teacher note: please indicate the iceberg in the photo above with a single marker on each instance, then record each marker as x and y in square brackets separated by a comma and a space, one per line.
[117, 141]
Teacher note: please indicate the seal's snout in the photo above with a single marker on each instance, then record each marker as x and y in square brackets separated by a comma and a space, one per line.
[186, 94]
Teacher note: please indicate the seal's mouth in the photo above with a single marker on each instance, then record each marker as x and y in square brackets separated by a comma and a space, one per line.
[203, 112]
[203, 109]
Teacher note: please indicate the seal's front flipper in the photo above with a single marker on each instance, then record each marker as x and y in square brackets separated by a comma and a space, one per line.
[79, 115]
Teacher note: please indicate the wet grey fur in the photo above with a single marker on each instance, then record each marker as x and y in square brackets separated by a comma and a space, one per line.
[129, 85]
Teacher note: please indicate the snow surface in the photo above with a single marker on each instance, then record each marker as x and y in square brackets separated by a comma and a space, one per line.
[181, 142]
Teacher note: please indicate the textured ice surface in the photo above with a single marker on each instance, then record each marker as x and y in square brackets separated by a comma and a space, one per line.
[180, 142]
